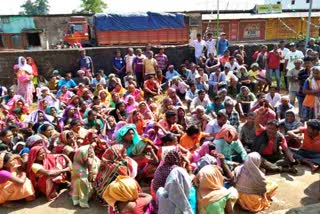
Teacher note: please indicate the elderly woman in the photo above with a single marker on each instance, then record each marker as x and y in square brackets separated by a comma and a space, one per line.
[141, 150]
[14, 185]
[84, 171]
[245, 99]
[114, 162]
[255, 192]
[177, 196]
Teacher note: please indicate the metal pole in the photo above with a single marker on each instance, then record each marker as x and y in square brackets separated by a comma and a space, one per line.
[218, 26]
[308, 23]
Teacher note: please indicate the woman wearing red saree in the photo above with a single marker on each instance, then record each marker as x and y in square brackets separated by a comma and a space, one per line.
[35, 72]
[47, 171]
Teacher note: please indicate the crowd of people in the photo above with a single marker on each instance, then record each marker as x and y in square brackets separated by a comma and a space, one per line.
[202, 135]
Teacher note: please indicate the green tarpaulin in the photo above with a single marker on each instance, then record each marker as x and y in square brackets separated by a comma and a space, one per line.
[16, 24]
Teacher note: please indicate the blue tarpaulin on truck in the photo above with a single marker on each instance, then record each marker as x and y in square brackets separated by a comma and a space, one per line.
[138, 21]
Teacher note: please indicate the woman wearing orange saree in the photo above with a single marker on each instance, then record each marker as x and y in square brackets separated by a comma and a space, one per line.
[14, 185]
[47, 171]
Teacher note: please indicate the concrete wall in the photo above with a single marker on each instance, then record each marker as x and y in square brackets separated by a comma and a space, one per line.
[65, 60]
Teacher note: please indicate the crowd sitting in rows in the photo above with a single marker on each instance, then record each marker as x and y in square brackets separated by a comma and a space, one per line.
[202, 135]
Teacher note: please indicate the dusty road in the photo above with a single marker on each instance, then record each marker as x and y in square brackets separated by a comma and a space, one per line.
[294, 191]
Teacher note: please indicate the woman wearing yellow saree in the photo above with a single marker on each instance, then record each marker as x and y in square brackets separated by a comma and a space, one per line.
[255, 191]
[14, 185]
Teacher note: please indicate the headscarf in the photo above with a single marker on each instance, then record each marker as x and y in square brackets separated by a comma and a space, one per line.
[33, 66]
[119, 125]
[114, 162]
[130, 108]
[295, 124]
[227, 132]
[33, 117]
[64, 136]
[33, 140]
[210, 186]
[174, 197]
[25, 66]
[123, 189]
[171, 160]
[136, 138]
[249, 178]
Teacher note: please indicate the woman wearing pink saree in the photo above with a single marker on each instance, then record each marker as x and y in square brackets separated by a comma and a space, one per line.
[24, 75]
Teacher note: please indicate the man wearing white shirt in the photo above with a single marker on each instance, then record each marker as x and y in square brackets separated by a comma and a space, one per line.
[284, 52]
[192, 74]
[129, 60]
[199, 44]
[292, 56]
[211, 45]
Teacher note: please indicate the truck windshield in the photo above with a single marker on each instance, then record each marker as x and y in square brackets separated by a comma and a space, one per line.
[76, 28]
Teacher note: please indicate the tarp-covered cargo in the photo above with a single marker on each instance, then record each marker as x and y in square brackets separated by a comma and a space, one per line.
[139, 21]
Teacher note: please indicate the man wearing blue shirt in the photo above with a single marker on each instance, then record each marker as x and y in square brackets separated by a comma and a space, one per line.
[67, 81]
[171, 73]
[223, 44]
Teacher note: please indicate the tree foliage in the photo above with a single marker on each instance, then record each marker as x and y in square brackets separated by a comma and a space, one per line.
[37, 7]
[93, 6]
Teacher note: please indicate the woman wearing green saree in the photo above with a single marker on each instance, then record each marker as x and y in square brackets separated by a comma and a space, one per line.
[84, 170]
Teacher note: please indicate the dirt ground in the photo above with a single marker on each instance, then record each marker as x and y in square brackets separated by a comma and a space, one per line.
[293, 192]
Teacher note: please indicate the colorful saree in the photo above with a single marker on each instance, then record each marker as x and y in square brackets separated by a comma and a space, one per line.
[45, 184]
[114, 162]
[81, 186]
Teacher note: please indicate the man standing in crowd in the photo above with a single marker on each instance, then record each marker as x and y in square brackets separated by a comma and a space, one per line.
[211, 45]
[273, 64]
[162, 60]
[223, 44]
[199, 44]
[86, 64]
[150, 65]
[290, 57]
[129, 60]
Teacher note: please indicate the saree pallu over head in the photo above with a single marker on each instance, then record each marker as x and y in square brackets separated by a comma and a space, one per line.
[123, 189]
[210, 186]
[114, 162]
[174, 197]
[51, 162]
[249, 178]
[136, 138]
[80, 162]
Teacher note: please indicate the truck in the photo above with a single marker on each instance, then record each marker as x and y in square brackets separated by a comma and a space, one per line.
[127, 29]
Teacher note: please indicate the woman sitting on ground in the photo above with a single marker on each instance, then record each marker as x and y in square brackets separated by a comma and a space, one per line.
[255, 192]
[14, 185]
[124, 196]
[212, 196]
[47, 171]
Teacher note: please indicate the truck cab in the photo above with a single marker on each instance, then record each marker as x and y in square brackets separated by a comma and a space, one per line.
[77, 31]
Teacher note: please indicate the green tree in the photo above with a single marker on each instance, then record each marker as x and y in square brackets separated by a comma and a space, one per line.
[38, 7]
[93, 6]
